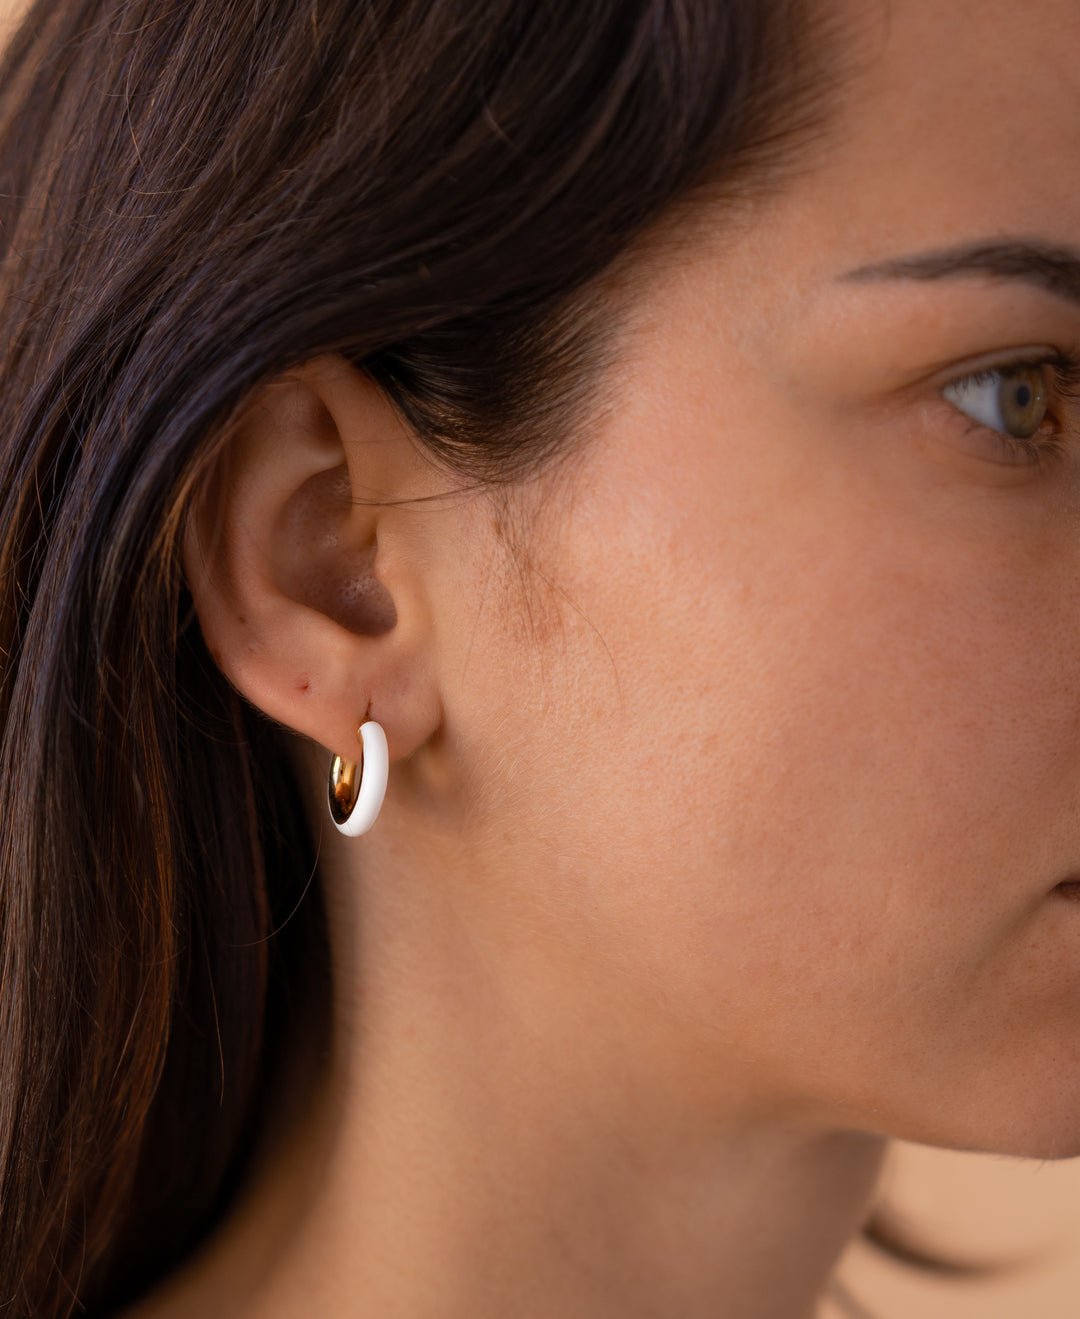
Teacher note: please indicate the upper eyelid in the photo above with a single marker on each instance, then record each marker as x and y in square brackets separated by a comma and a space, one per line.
[1047, 355]
[1064, 364]
[926, 386]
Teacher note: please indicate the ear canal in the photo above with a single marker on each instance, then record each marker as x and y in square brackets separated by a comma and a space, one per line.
[329, 574]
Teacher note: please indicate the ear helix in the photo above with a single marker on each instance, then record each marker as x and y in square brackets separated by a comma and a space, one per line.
[354, 807]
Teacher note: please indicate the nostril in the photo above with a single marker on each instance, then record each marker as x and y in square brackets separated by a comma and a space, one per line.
[1069, 888]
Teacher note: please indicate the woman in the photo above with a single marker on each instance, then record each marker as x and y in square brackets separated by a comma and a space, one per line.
[654, 418]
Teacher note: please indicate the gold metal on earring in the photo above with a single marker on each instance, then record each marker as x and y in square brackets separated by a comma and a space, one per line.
[356, 788]
[344, 785]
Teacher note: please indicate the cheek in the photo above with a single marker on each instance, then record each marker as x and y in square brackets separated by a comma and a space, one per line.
[834, 773]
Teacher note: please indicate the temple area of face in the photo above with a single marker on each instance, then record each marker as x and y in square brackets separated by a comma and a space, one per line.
[1050, 267]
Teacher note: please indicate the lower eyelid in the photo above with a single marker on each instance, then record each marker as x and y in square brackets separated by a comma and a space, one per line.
[943, 422]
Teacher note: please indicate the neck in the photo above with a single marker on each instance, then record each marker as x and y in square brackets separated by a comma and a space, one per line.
[473, 1144]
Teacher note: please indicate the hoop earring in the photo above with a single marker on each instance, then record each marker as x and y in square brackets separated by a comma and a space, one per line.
[354, 807]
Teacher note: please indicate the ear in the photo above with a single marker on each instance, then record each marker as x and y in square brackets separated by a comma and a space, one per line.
[306, 563]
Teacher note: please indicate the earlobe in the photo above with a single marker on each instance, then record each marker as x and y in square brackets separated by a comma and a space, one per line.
[305, 567]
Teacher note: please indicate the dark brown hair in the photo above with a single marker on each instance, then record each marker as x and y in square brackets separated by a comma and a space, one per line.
[194, 197]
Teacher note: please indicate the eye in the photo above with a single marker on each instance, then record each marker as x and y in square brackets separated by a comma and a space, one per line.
[1028, 409]
[1012, 400]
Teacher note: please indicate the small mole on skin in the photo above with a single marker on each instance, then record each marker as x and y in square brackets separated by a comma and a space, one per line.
[303, 683]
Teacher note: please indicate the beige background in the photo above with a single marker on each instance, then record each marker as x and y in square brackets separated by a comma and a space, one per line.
[978, 1206]
[983, 1208]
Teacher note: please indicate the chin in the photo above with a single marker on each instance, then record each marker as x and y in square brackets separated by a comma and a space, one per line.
[1042, 1145]
[1050, 1130]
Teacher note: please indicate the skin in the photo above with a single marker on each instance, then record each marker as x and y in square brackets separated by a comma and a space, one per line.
[732, 776]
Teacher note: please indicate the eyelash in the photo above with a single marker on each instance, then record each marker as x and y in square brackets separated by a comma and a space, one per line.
[1039, 450]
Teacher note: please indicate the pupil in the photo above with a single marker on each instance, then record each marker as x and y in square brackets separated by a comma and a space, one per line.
[1023, 395]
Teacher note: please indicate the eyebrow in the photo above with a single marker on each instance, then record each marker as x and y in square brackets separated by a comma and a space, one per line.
[1049, 267]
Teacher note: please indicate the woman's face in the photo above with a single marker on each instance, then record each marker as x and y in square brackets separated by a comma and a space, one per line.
[793, 710]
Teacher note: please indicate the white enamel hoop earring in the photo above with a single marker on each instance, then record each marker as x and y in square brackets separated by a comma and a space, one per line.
[354, 807]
